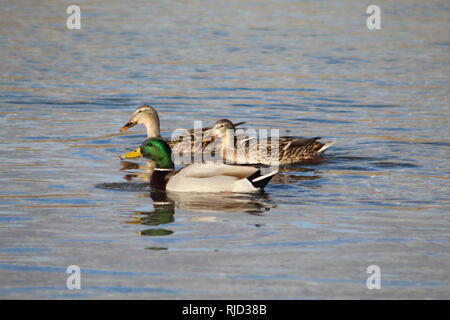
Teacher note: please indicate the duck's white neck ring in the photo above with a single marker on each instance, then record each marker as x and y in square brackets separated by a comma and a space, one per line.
[163, 169]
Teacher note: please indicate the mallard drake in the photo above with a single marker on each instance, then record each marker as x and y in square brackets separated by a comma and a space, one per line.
[148, 116]
[200, 177]
[251, 151]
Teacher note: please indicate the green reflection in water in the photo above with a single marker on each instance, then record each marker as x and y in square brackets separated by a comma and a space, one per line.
[163, 213]
[155, 232]
[156, 248]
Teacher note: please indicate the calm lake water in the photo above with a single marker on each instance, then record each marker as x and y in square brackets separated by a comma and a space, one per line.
[380, 197]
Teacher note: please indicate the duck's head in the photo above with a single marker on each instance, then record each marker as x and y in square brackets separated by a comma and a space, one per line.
[147, 116]
[159, 151]
[220, 128]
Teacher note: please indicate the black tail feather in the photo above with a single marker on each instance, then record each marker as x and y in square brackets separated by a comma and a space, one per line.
[258, 180]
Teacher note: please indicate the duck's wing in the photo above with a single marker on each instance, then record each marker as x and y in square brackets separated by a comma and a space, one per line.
[285, 149]
[215, 177]
[294, 142]
[292, 149]
[210, 178]
[210, 169]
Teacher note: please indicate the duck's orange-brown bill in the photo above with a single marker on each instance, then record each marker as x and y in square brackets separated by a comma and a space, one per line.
[209, 138]
[128, 125]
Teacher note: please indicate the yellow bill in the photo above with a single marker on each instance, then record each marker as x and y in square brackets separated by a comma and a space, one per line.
[133, 154]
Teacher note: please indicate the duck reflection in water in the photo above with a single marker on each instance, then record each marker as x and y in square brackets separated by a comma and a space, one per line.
[255, 204]
[145, 170]
[163, 213]
[165, 203]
